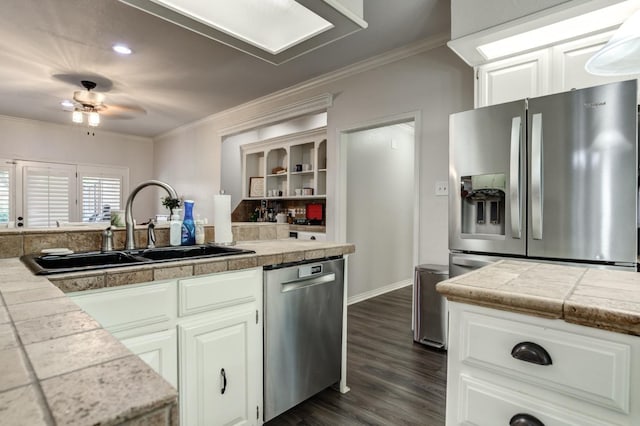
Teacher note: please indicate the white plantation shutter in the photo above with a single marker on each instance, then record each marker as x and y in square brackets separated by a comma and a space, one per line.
[6, 194]
[48, 194]
[100, 195]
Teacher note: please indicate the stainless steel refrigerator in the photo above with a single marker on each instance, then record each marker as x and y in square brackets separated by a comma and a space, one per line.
[553, 178]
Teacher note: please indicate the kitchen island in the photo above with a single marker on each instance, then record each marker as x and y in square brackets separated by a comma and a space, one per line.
[543, 344]
[59, 366]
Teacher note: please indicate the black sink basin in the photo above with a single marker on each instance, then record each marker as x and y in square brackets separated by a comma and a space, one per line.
[183, 252]
[50, 264]
[55, 264]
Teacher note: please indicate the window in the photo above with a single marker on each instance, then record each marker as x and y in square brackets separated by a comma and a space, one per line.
[100, 192]
[6, 182]
[49, 193]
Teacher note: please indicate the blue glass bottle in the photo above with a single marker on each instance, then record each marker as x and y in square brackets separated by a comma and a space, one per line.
[188, 225]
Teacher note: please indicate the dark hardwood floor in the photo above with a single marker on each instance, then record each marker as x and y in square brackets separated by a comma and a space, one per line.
[393, 380]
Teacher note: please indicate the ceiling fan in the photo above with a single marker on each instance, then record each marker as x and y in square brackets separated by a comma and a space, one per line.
[91, 104]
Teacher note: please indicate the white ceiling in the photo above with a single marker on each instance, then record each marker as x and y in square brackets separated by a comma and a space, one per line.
[177, 76]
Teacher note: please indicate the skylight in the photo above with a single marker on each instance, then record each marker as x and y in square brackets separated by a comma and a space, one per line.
[274, 30]
[271, 25]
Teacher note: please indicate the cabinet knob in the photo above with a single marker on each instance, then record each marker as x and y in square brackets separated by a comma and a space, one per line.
[531, 352]
[524, 420]
[224, 381]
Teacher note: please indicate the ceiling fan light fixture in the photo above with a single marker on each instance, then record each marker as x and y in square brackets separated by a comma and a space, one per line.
[621, 54]
[67, 103]
[122, 49]
[94, 119]
[76, 117]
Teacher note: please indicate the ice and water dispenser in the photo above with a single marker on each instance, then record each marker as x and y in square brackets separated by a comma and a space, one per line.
[483, 203]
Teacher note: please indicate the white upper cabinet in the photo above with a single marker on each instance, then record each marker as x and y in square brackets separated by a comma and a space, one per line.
[551, 70]
[512, 79]
[569, 60]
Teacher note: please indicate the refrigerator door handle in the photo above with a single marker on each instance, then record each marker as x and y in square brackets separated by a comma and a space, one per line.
[536, 176]
[514, 177]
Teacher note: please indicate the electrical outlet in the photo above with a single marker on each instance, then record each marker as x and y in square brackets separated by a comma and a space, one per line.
[442, 188]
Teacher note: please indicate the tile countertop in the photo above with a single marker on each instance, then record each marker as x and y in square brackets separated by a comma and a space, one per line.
[58, 366]
[597, 298]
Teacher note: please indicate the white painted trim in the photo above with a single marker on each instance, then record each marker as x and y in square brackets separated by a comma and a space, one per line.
[379, 291]
[348, 71]
[341, 175]
[343, 387]
[390, 56]
[308, 106]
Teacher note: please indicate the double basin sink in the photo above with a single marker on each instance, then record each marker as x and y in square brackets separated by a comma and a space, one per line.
[84, 261]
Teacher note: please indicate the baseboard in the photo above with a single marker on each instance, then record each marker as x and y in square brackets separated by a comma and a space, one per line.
[378, 291]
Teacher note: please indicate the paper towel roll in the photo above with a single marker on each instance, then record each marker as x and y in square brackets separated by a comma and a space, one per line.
[222, 219]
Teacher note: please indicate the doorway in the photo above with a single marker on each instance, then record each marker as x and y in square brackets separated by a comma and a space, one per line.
[379, 201]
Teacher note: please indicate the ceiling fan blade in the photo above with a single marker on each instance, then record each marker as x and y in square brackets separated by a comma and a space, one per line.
[122, 111]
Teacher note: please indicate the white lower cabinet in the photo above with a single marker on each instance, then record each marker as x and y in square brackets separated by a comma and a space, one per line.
[218, 366]
[159, 350]
[507, 368]
[195, 332]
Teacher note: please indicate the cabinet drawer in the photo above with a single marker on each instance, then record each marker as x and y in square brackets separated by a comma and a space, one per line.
[486, 404]
[583, 367]
[132, 310]
[217, 291]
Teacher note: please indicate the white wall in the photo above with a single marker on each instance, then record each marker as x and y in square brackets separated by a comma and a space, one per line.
[380, 199]
[434, 82]
[22, 139]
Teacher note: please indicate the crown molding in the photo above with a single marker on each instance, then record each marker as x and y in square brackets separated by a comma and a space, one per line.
[388, 57]
[296, 109]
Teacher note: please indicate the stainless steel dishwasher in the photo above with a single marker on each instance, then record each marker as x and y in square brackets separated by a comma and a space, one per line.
[302, 331]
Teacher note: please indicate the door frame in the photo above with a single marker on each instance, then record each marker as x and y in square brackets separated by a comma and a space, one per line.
[341, 175]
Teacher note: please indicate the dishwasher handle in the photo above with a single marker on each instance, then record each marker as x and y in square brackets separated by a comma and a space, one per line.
[307, 282]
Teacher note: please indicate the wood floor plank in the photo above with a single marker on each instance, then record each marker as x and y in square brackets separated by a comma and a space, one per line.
[393, 380]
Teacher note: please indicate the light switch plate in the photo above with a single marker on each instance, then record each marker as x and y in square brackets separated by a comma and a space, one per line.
[442, 188]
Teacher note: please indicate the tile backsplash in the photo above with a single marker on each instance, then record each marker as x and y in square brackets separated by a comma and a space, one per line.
[17, 242]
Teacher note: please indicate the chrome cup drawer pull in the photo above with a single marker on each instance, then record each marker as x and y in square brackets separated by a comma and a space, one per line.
[531, 352]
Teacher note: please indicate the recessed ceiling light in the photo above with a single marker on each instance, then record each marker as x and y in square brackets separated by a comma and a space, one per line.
[122, 49]
[67, 103]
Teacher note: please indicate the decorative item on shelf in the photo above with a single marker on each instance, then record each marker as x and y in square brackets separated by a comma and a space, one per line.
[298, 167]
[256, 187]
[278, 170]
[307, 191]
[306, 167]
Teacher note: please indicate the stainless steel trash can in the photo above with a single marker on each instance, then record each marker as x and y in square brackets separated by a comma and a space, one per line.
[430, 308]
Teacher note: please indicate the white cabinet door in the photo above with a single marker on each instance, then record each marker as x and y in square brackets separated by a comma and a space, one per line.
[568, 64]
[159, 351]
[511, 79]
[219, 368]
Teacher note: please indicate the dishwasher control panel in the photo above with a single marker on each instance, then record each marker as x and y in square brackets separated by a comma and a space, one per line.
[308, 270]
